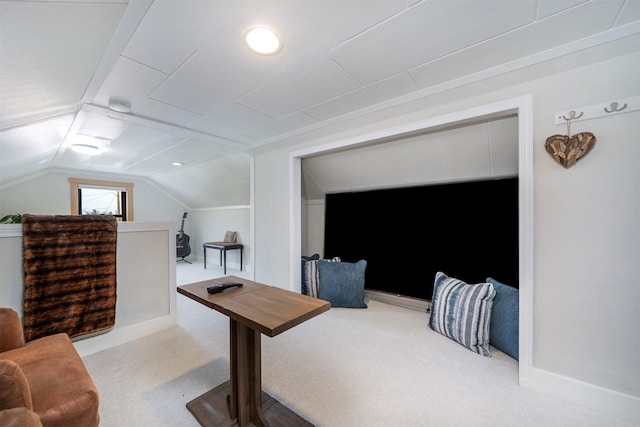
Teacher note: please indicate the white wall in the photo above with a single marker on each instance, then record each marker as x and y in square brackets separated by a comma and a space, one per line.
[313, 227]
[146, 281]
[210, 225]
[587, 229]
[49, 194]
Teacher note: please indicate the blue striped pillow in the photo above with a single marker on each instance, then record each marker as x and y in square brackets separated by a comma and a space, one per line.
[462, 312]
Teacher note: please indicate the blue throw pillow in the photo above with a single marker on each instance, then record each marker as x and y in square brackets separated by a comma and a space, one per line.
[505, 318]
[462, 312]
[305, 282]
[342, 283]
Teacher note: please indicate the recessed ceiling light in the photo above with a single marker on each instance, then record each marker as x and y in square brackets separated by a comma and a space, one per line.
[177, 163]
[92, 150]
[263, 40]
[87, 144]
[119, 105]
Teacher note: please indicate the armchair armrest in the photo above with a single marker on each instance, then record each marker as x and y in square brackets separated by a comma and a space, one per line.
[11, 334]
[19, 417]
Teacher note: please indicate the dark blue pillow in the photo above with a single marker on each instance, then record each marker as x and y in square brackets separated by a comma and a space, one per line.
[305, 287]
[505, 322]
[342, 283]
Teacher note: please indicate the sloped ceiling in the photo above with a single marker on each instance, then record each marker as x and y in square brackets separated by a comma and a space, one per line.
[199, 96]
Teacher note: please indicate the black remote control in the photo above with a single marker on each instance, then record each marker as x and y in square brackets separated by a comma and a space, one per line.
[222, 286]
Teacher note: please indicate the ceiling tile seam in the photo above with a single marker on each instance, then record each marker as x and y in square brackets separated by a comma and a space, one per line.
[126, 27]
[178, 68]
[534, 22]
[150, 93]
[144, 65]
[337, 97]
[537, 15]
[174, 106]
[344, 70]
[371, 27]
[473, 46]
[613, 34]
[279, 119]
[238, 101]
[227, 105]
[157, 153]
[619, 15]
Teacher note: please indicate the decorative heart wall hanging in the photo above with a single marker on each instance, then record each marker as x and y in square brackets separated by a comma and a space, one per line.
[566, 150]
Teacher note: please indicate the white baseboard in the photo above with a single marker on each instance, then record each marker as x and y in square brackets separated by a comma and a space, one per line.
[119, 336]
[402, 301]
[618, 405]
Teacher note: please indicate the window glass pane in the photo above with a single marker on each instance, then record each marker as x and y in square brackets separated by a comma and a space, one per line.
[101, 201]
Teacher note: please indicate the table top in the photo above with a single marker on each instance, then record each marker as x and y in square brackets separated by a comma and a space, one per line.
[267, 309]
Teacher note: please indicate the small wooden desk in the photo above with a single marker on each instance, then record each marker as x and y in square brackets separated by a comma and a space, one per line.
[223, 247]
[253, 309]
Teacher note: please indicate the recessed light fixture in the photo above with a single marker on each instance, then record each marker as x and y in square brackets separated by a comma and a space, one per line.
[119, 105]
[177, 163]
[263, 40]
[92, 150]
[87, 144]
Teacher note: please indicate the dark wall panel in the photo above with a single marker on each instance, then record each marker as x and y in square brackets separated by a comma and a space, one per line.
[467, 230]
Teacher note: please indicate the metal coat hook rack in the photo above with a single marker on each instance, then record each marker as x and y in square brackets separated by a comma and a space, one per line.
[605, 109]
[614, 108]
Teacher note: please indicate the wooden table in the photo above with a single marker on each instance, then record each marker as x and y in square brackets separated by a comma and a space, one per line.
[253, 309]
[223, 247]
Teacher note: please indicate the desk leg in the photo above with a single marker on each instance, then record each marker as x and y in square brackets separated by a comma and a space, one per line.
[205, 256]
[240, 259]
[225, 262]
[245, 399]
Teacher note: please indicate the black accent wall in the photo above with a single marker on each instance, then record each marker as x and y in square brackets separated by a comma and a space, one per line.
[468, 230]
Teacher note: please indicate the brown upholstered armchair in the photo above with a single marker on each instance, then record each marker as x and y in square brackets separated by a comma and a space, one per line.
[43, 382]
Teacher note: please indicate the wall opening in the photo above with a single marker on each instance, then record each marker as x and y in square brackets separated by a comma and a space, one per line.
[522, 108]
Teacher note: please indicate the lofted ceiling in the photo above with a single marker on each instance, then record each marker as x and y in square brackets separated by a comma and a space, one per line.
[199, 96]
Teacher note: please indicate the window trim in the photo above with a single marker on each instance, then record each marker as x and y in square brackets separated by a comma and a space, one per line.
[76, 183]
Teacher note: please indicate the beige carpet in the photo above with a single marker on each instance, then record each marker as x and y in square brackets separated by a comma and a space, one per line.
[381, 366]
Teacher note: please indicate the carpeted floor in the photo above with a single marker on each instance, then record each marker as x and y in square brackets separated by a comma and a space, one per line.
[380, 366]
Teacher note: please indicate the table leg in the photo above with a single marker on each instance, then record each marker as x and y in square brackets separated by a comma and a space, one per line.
[245, 399]
[241, 259]
[205, 256]
[225, 261]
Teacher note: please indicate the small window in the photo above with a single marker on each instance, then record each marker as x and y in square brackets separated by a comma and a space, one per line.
[91, 197]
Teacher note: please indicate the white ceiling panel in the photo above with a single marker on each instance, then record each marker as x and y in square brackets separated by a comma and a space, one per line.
[170, 33]
[320, 81]
[281, 126]
[373, 94]
[594, 17]
[162, 112]
[426, 32]
[205, 83]
[231, 120]
[129, 81]
[188, 152]
[49, 52]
